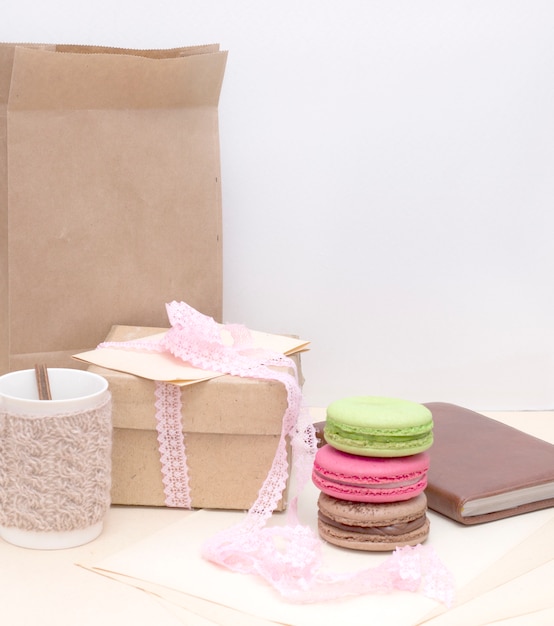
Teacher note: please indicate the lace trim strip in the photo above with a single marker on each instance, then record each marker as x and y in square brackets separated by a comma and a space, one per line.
[171, 445]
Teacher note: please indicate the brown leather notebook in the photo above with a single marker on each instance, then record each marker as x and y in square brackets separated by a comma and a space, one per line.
[483, 470]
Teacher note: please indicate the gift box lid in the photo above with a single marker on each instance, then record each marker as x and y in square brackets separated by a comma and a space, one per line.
[225, 404]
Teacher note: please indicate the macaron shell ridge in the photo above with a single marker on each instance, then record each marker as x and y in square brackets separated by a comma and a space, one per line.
[385, 447]
[359, 494]
[355, 541]
[369, 514]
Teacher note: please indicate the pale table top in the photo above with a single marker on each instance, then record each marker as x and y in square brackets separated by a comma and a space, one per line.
[51, 588]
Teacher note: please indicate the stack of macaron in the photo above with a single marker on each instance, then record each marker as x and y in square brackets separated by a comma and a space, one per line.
[371, 470]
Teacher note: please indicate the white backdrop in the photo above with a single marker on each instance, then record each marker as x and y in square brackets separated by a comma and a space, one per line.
[388, 179]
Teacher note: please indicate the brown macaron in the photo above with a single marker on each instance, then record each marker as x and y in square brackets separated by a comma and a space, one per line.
[373, 527]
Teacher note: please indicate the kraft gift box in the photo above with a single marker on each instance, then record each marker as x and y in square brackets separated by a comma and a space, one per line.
[231, 427]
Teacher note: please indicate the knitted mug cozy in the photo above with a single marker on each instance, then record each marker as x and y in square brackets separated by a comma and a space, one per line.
[55, 470]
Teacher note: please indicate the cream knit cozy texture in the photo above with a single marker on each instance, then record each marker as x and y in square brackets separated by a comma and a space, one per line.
[55, 471]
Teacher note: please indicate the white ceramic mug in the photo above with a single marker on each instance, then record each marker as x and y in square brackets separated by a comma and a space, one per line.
[55, 458]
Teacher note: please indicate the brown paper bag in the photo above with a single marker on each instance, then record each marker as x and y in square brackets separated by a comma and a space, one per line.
[110, 193]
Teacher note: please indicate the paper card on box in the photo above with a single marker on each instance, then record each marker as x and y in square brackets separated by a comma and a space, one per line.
[165, 367]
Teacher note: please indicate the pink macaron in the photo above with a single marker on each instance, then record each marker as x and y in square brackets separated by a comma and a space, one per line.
[369, 479]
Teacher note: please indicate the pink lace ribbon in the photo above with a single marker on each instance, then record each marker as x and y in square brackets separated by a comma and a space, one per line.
[287, 557]
[171, 445]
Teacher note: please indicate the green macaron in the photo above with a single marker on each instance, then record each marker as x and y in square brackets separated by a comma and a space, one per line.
[376, 426]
